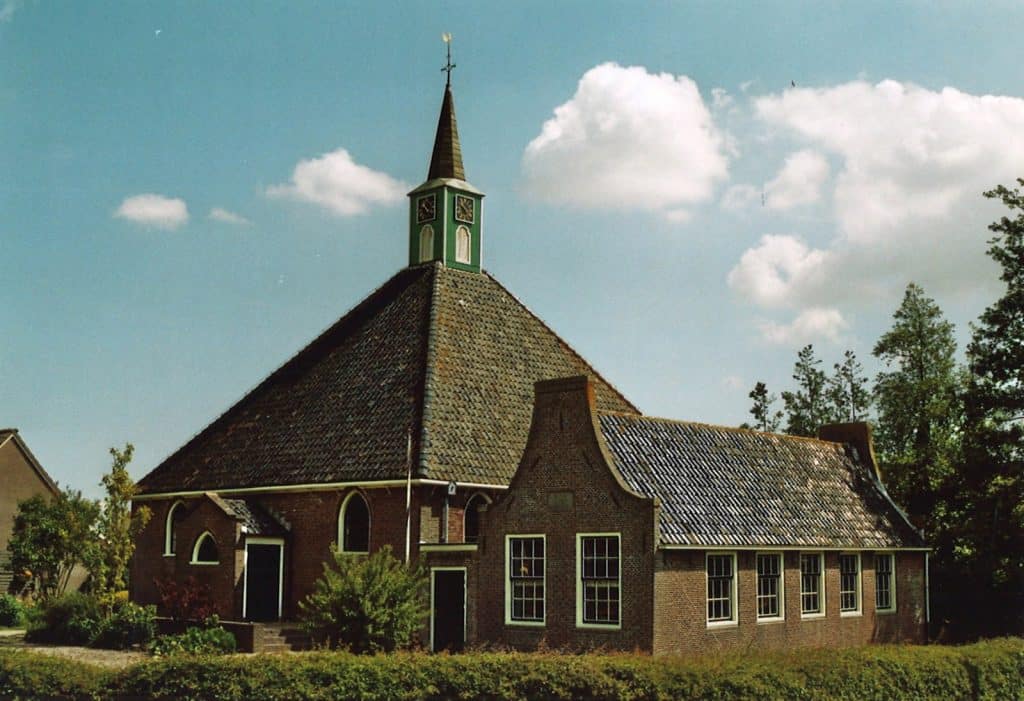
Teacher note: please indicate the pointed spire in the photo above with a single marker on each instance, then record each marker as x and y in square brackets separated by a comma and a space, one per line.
[446, 161]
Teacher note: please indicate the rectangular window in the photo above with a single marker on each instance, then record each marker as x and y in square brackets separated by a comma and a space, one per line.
[885, 582]
[721, 571]
[849, 583]
[812, 585]
[599, 592]
[769, 585]
[525, 593]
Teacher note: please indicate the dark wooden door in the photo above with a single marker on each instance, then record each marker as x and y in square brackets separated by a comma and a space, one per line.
[449, 614]
[262, 581]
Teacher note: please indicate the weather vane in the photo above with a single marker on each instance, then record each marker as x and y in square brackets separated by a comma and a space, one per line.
[447, 39]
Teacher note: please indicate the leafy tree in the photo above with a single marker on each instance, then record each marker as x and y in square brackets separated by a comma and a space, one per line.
[50, 536]
[764, 418]
[919, 417]
[808, 407]
[109, 552]
[848, 391]
[992, 487]
[366, 604]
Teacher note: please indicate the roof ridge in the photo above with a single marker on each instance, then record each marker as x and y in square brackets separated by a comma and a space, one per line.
[430, 352]
[734, 429]
[564, 343]
[346, 318]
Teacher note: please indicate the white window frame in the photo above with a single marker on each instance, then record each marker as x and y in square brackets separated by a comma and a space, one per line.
[426, 253]
[858, 584]
[195, 550]
[820, 613]
[169, 537]
[253, 540]
[892, 583]
[733, 591]
[341, 523]
[508, 580]
[478, 497]
[462, 233]
[781, 594]
[580, 623]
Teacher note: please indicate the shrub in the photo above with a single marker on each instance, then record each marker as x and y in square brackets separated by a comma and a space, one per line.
[127, 625]
[11, 612]
[70, 619]
[185, 601]
[210, 639]
[366, 603]
[25, 675]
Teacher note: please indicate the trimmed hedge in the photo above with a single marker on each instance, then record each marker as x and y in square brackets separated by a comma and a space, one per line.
[989, 670]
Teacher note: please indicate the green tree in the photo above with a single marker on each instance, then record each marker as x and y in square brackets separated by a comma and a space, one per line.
[808, 407]
[50, 537]
[992, 486]
[366, 603]
[919, 417]
[111, 548]
[765, 419]
[848, 390]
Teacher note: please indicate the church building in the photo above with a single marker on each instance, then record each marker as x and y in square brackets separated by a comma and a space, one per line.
[444, 419]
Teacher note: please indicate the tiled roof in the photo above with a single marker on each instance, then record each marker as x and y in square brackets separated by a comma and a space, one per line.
[446, 158]
[731, 487]
[450, 356]
[255, 519]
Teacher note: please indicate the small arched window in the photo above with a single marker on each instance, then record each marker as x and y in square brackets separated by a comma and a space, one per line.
[174, 516]
[462, 245]
[354, 525]
[204, 552]
[471, 526]
[426, 243]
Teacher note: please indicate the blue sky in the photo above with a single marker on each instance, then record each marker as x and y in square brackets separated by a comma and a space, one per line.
[687, 192]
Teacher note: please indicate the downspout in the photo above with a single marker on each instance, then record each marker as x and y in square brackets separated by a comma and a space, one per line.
[408, 494]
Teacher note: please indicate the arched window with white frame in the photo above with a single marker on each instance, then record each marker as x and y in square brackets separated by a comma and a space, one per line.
[462, 245]
[471, 517]
[174, 516]
[426, 243]
[354, 525]
[204, 552]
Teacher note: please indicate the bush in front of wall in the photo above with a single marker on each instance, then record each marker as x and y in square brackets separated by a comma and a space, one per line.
[70, 619]
[11, 611]
[208, 639]
[127, 625]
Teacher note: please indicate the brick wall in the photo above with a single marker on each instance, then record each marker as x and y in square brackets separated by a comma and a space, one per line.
[564, 486]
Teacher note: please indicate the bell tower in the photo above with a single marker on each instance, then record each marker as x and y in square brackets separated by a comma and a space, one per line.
[445, 211]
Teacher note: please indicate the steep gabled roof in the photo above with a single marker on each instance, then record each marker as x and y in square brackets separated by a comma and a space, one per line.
[446, 158]
[445, 356]
[725, 487]
[11, 434]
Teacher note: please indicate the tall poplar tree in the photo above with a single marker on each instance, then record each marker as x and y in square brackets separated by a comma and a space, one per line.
[808, 407]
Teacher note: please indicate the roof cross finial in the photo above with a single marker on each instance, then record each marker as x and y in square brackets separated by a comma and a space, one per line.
[447, 39]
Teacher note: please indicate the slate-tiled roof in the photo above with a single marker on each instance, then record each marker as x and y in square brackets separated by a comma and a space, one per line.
[255, 519]
[446, 158]
[731, 487]
[450, 355]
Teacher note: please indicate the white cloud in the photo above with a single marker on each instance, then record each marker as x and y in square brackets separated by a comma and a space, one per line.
[720, 98]
[810, 326]
[777, 270]
[154, 210]
[628, 139]
[740, 197]
[339, 184]
[8, 8]
[798, 182]
[223, 215]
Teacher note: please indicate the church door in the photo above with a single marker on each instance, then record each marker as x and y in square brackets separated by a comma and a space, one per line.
[263, 561]
[447, 609]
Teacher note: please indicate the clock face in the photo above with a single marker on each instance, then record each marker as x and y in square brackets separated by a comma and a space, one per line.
[425, 209]
[464, 209]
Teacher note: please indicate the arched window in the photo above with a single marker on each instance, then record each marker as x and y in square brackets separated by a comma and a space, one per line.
[462, 244]
[471, 526]
[354, 525]
[426, 243]
[204, 552]
[174, 516]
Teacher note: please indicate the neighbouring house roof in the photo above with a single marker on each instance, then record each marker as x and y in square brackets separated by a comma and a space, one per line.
[726, 487]
[448, 356]
[11, 434]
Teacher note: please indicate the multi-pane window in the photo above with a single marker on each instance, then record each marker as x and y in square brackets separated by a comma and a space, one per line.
[849, 583]
[599, 579]
[721, 571]
[885, 599]
[811, 581]
[769, 585]
[526, 578]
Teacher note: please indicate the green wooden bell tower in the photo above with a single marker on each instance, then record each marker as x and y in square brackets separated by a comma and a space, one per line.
[444, 212]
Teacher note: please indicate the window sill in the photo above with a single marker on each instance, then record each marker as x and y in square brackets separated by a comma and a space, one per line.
[850, 614]
[599, 626]
[525, 624]
[769, 621]
[885, 612]
[168, 554]
[718, 625]
[812, 617]
[204, 564]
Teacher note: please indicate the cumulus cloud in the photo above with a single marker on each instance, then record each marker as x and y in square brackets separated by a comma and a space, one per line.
[777, 270]
[798, 182]
[228, 217]
[154, 210]
[337, 183]
[628, 139]
[810, 326]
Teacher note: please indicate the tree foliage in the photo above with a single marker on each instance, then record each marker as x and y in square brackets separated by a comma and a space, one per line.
[50, 537]
[766, 418]
[807, 408]
[366, 603]
[848, 390]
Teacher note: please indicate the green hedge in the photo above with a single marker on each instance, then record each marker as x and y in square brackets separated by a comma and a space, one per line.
[988, 670]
